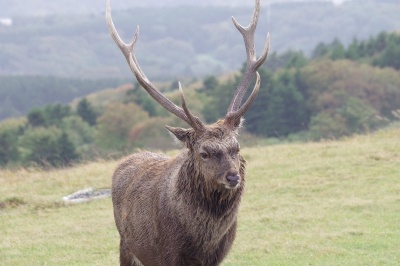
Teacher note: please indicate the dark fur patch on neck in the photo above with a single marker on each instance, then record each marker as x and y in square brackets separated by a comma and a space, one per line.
[218, 201]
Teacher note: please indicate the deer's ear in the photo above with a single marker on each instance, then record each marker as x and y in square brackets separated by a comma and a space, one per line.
[181, 134]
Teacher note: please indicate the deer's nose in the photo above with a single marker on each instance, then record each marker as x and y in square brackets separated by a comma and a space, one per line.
[233, 179]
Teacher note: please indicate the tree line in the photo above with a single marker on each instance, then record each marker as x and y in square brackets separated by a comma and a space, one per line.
[54, 135]
[19, 94]
[300, 98]
[338, 92]
[382, 50]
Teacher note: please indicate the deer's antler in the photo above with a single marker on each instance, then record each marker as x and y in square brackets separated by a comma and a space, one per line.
[235, 111]
[129, 53]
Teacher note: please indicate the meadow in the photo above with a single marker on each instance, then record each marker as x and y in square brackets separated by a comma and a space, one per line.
[324, 203]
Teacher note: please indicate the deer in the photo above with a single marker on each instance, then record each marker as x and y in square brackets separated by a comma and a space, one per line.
[182, 210]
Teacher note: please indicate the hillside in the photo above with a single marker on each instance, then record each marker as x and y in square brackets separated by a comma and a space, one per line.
[189, 41]
[326, 203]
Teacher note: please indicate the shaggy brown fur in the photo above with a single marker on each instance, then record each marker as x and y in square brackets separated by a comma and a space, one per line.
[181, 210]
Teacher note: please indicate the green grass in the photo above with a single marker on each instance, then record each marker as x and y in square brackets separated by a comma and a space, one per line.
[327, 203]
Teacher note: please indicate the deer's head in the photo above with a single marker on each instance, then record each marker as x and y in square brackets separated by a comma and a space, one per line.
[214, 152]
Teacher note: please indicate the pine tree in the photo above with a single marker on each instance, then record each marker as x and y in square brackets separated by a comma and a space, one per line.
[66, 150]
[36, 118]
[8, 146]
[256, 116]
[54, 113]
[286, 111]
[337, 50]
[86, 112]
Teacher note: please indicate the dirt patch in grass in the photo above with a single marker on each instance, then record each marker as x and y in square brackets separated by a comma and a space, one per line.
[12, 202]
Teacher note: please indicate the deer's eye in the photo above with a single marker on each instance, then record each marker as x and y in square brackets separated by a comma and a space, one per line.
[234, 153]
[204, 155]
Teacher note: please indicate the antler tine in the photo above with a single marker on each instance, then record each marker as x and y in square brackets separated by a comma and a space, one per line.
[233, 118]
[252, 62]
[128, 52]
[195, 122]
[125, 48]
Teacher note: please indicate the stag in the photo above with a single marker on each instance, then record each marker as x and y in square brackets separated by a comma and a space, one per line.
[183, 210]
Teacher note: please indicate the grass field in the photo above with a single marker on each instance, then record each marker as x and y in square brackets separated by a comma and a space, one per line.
[327, 203]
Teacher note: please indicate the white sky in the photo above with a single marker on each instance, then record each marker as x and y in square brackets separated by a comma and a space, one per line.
[338, 2]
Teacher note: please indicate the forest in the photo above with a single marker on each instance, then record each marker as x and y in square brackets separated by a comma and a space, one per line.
[337, 91]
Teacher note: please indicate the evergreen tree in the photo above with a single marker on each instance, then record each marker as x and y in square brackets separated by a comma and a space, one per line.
[54, 113]
[280, 107]
[256, 116]
[86, 112]
[337, 50]
[8, 146]
[379, 43]
[286, 112]
[66, 150]
[295, 59]
[220, 99]
[352, 52]
[320, 50]
[39, 145]
[390, 56]
[48, 116]
[210, 84]
[36, 118]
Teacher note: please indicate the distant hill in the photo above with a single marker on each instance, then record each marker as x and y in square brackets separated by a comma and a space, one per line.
[175, 41]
